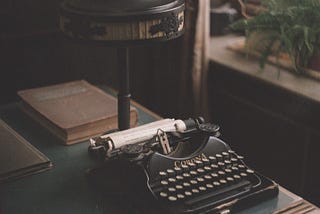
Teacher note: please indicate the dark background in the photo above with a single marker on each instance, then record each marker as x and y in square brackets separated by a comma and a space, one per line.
[277, 131]
[33, 53]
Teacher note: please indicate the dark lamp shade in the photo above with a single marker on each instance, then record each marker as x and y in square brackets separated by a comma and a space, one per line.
[122, 20]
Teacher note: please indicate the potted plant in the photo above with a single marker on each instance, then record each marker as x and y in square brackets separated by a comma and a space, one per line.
[285, 26]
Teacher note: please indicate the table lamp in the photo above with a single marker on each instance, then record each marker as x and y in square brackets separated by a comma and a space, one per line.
[122, 23]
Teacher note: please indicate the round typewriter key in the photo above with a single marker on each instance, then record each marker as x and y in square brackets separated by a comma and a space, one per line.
[222, 181]
[208, 177]
[214, 166]
[228, 170]
[179, 187]
[170, 171]
[163, 194]
[231, 151]
[199, 163]
[193, 182]
[207, 168]
[179, 177]
[205, 161]
[214, 175]
[186, 175]
[177, 169]
[180, 196]
[230, 179]
[193, 172]
[212, 159]
[240, 157]
[234, 159]
[191, 165]
[227, 162]
[195, 190]
[200, 170]
[243, 174]
[186, 184]
[237, 177]
[202, 188]
[187, 193]
[221, 173]
[225, 154]
[250, 171]
[219, 157]
[172, 198]
[172, 180]
[162, 173]
[234, 168]
[241, 166]
[164, 182]
[200, 179]
[221, 164]
[171, 189]
[209, 186]
[185, 167]
[216, 183]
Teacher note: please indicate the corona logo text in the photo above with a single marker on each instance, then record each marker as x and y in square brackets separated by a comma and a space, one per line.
[200, 157]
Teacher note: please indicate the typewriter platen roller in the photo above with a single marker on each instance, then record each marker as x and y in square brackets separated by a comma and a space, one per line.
[213, 179]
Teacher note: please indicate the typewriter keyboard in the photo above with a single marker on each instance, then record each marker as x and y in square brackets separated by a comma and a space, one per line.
[206, 179]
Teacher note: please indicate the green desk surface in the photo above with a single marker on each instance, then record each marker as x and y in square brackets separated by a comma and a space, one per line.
[64, 189]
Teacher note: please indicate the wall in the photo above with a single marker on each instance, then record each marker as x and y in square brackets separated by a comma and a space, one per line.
[33, 53]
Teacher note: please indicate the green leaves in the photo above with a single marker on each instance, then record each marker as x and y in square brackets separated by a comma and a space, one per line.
[297, 27]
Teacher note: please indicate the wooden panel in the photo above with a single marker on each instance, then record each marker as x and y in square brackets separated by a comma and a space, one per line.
[269, 126]
[312, 171]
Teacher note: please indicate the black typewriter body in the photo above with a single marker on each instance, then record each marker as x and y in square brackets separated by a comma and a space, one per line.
[212, 179]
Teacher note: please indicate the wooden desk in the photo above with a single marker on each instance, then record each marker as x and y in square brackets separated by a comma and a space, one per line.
[64, 188]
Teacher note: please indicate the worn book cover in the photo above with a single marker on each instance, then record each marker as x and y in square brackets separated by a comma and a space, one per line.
[18, 157]
[73, 111]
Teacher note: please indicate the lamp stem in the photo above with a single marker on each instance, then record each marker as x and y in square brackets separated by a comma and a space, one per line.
[124, 89]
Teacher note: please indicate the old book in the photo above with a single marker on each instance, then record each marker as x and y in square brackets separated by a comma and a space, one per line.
[73, 111]
[18, 157]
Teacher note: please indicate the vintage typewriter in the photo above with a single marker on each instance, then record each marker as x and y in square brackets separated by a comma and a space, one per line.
[211, 179]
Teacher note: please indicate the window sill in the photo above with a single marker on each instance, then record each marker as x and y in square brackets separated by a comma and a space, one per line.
[300, 85]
